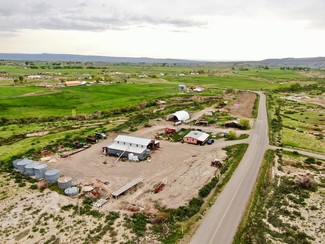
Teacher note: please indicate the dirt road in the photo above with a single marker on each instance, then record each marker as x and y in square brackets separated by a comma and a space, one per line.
[220, 223]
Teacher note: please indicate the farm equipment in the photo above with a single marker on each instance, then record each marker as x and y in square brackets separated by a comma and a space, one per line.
[159, 188]
[91, 139]
[216, 163]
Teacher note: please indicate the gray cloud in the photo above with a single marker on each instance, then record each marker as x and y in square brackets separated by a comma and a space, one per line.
[99, 15]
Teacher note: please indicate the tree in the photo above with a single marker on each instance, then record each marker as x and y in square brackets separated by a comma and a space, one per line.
[244, 124]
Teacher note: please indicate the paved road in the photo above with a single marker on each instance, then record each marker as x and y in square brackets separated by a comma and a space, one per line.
[220, 223]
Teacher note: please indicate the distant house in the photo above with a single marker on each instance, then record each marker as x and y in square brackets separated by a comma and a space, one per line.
[196, 137]
[126, 145]
[182, 87]
[72, 83]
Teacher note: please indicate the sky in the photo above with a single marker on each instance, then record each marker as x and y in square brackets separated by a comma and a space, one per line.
[184, 29]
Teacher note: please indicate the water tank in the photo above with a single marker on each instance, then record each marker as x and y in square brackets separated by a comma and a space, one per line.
[29, 168]
[14, 163]
[64, 182]
[21, 164]
[40, 170]
[52, 176]
[71, 191]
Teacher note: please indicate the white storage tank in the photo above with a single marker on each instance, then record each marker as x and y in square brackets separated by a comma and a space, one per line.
[52, 176]
[64, 182]
[14, 163]
[40, 170]
[71, 191]
[21, 164]
[29, 168]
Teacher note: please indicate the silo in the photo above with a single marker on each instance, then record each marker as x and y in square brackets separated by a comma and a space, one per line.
[21, 164]
[29, 168]
[52, 176]
[71, 191]
[64, 182]
[40, 170]
[14, 163]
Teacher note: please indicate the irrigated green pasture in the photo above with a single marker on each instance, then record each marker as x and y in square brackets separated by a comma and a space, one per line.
[84, 100]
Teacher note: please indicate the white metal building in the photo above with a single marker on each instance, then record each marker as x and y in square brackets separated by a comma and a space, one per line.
[125, 145]
[179, 116]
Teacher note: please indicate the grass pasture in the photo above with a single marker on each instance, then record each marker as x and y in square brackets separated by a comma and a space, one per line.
[84, 99]
[295, 139]
[233, 81]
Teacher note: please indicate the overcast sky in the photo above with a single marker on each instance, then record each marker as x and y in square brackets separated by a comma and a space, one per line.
[188, 29]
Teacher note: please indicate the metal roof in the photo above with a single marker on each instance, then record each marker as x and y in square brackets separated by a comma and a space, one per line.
[198, 135]
[127, 187]
[133, 140]
[181, 115]
[133, 149]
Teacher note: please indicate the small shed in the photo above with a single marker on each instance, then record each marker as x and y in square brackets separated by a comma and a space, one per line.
[196, 137]
[232, 124]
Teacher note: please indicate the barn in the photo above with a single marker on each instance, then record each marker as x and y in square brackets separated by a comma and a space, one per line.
[196, 137]
[127, 146]
[179, 116]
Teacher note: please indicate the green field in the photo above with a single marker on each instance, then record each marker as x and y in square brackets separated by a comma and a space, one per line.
[84, 100]
[292, 138]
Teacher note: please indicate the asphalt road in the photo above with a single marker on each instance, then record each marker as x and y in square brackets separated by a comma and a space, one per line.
[221, 221]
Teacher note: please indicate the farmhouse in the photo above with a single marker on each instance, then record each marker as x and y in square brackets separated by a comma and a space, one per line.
[178, 116]
[131, 147]
[196, 137]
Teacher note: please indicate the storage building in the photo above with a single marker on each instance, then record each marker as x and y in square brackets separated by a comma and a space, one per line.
[125, 145]
[196, 137]
[179, 116]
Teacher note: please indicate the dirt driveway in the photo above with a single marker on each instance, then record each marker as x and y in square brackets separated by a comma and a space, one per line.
[186, 168]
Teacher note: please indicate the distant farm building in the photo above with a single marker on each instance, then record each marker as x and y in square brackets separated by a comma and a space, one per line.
[196, 137]
[232, 124]
[72, 83]
[34, 77]
[179, 116]
[131, 147]
[182, 87]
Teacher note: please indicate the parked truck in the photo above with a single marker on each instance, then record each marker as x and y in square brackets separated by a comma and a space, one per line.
[100, 135]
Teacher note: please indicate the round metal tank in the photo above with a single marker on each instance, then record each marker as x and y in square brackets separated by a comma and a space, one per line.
[52, 176]
[21, 164]
[71, 191]
[64, 182]
[40, 170]
[30, 168]
[14, 163]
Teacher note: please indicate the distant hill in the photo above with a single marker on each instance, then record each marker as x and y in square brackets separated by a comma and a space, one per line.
[317, 62]
[91, 58]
